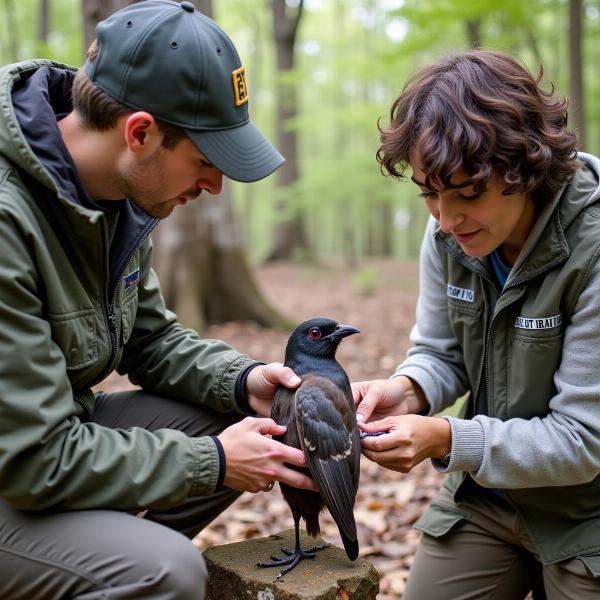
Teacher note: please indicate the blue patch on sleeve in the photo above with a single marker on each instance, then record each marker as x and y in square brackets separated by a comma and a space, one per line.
[131, 279]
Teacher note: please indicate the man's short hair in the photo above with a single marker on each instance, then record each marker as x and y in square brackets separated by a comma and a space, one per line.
[483, 112]
[100, 112]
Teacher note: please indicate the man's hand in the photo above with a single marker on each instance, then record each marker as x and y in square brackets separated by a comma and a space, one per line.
[262, 383]
[382, 398]
[254, 460]
[408, 440]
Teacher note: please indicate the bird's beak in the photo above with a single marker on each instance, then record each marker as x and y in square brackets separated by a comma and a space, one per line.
[342, 331]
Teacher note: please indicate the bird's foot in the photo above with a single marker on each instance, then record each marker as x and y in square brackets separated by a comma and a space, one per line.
[293, 559]
[312, 550]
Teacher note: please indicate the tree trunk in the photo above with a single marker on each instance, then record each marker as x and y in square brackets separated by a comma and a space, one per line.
[203, 269]
[43, 22]
[199, 256]
[205, 7]
[533, 44]
[474, 33]
[380, 231]
[97, 10]
[380, 240]
[289, 232]
[11, 28]
[576, 75]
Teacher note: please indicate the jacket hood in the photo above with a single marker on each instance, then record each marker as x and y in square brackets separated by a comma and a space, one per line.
[582, 191]
[593, 164]
[547, 243]
[33, 97]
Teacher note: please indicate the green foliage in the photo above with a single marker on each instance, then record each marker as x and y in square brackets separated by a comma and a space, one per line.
[19, 30]
[353, 57]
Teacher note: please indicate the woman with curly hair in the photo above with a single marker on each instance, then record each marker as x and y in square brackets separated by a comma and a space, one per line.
[508, 312]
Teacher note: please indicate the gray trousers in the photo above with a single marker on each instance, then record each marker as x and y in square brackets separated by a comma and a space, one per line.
[93, 554]
[492, 556]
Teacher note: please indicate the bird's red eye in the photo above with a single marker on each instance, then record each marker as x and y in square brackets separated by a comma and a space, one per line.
[314, 333]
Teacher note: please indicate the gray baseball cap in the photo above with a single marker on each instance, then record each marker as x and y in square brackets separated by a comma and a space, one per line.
[166, 58]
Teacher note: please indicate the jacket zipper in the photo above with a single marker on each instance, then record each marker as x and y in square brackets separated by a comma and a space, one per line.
[110, 318]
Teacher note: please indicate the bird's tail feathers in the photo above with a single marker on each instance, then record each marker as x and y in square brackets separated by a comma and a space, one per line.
[334, 479]
[351, 547]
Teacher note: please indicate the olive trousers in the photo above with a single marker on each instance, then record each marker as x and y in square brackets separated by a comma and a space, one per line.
[94, 554]
[492, 556]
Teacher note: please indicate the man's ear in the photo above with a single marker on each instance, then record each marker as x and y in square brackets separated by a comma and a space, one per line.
[141, 132]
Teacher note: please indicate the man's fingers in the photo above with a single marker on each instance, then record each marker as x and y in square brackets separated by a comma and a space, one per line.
[276, 373]
[267, 426]
[293, 456]
[298, 480]
[289, 378]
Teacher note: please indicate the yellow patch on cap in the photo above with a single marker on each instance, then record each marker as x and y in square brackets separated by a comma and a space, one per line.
[239, 86]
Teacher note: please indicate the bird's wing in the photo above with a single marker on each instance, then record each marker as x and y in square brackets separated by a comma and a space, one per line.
[354, 464]
[282, 412]
[329, 446]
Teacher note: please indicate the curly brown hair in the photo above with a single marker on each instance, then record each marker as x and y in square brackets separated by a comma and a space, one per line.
[483, 112]
[100, 112]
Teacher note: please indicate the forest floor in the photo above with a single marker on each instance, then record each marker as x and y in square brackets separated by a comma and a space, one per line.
[379, 299]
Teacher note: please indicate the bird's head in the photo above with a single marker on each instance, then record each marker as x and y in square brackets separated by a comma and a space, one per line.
[318, 337]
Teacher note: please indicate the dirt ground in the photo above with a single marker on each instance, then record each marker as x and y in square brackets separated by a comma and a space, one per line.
[379, 299]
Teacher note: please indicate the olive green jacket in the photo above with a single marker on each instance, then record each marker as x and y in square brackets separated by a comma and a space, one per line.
[67, 319]
[529, 355]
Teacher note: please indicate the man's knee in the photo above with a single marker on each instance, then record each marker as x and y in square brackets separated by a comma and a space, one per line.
[155, 562]
[181, 571]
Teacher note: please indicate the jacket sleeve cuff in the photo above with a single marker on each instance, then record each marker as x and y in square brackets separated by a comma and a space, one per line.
[466, 453]
[222, 462]
[227, 381]
[241, 391]
[207, 466]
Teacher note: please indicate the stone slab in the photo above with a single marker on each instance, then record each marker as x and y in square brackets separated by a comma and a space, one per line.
[233, 574]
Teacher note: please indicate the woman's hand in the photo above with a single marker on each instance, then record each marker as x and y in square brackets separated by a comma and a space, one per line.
[409, 439]
[382, 398]
[254, 460]
[262, 383]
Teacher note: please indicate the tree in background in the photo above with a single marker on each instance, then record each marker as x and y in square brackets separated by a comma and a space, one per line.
[44, 22]
[576, 106]
[289, 233]
[97, 10]
[350, 59]
[11, 28]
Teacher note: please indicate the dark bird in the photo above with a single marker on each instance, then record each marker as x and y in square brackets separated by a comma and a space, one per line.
[321, 421]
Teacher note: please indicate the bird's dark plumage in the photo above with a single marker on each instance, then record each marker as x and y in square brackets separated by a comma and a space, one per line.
[321, 420]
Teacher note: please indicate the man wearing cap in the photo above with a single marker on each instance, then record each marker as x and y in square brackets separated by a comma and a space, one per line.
[90, 160]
